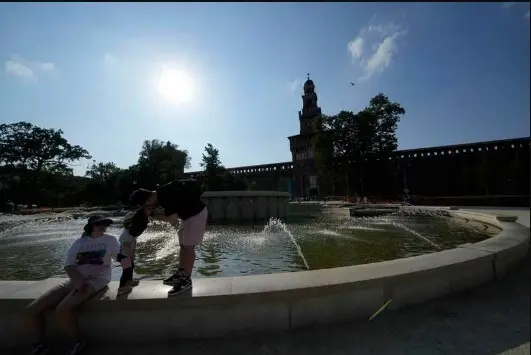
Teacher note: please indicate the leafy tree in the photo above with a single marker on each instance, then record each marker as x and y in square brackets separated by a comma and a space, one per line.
[381, 136]
[160, 162]
[213, 179]
[210, 160]
[102, 186]
[28, 147]
[336, 144]
[346, 140]
[216, 177]
[102, 172]
[36, 154]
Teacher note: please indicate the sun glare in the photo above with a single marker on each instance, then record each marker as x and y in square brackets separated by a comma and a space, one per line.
[175, 86]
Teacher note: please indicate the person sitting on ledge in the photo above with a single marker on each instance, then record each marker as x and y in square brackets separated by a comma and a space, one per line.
[88, 266]
[181, 200]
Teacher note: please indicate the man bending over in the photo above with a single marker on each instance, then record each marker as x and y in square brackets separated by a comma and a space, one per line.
[181, 200]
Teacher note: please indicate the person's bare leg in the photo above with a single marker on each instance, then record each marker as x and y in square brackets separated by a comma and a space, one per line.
[181, 257]
[34, 312]
[65, 315]
[187, 258]
[36, 324]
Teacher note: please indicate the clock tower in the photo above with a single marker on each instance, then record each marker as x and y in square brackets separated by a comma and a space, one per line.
[302, 146]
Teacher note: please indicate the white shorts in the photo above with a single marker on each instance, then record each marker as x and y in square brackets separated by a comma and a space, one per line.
[191, 230]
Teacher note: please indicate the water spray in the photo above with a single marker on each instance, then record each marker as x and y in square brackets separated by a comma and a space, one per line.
[275, 222]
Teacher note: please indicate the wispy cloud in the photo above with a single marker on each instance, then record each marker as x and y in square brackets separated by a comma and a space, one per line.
[45, 66]
[507, 5]
[28, 70]
[294, 85]
[109, 59]
[374, 48]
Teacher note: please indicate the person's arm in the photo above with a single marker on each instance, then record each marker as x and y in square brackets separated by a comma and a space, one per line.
[115, 248]
[71, 266]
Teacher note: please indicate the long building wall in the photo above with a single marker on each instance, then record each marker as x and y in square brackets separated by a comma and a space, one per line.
[493, 167]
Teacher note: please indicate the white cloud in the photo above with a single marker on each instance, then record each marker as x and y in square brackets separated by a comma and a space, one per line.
[355, 47]
[109, 59]
[17, 68]
[27, 70]
[295, 84]
[373, 50]
[506, 5]
[45, 66]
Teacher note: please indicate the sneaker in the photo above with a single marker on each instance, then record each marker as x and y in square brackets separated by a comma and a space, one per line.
[133, 283]
[125, 290]
[183, 283]
[39, 349]
[77, 348]
[174, 279]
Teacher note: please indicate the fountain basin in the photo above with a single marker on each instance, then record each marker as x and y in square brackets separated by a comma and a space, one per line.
[362, 210]
[245, 206]
[283, 301]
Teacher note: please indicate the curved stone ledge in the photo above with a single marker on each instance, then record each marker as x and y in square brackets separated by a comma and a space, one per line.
[245, 193]
[233, 305]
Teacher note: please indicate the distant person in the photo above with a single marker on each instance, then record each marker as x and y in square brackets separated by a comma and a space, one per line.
[181, 200]
[88, 266]
[135, 223]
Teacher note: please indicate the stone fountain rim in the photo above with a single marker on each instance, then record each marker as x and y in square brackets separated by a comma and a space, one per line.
[279, 302]
[316, 282]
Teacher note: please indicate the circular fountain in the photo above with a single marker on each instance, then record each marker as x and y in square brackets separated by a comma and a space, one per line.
[284, 274]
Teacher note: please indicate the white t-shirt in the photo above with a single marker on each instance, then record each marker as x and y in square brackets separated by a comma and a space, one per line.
[93, 256]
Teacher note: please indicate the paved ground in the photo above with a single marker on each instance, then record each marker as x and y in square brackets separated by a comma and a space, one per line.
[492, 319]
[521, 212]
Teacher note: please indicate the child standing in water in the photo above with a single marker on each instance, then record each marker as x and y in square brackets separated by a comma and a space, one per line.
[135, 223]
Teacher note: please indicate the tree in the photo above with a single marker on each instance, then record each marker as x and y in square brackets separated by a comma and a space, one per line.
[102, 172]
[160, 162]
[28, 147]
[345, 141]
[36, 155]
[102, 186]
[212, 177]
[210, 159]
[216, 177]
[336, 144]
[378, 123]
[382, 134]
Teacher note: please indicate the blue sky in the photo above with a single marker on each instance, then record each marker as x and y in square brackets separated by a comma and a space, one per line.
[460, 70]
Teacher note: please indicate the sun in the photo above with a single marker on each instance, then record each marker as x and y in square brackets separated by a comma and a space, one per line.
[175, 86]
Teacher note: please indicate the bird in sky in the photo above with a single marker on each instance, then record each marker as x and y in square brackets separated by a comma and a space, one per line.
[352, 84]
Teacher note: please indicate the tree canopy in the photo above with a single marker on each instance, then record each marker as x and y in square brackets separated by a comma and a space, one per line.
[346, 140]
[39, 162]
[215, 176]
[28, 147]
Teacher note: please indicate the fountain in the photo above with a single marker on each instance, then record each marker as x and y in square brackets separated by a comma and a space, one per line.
[245, 206]
[244, 271]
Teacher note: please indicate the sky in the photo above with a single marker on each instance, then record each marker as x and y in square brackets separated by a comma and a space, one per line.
[111, 75]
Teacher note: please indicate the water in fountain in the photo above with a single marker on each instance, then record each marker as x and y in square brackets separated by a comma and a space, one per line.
[34, 247]
[274, 225]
